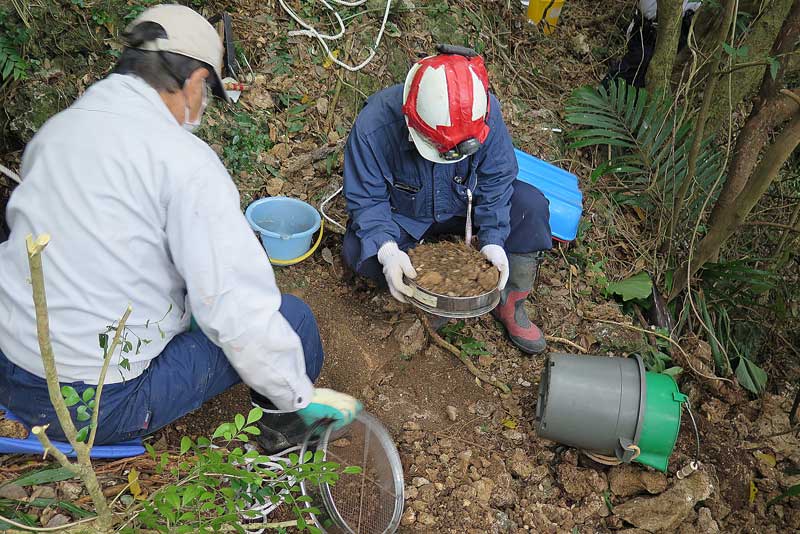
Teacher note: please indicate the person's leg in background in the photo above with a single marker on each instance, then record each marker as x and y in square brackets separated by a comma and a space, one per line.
[529, 238]
[370, 267]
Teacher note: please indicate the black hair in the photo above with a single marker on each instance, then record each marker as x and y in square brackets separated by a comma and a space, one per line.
[163, 71]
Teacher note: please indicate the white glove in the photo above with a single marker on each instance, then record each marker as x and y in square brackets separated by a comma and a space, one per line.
[496, 255]
[396, 263]
[330, 404]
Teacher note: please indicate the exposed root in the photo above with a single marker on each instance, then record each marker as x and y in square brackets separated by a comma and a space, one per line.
[441, 342]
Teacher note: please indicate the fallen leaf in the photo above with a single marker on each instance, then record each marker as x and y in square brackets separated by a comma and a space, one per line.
[136, 489]
[327, 255]
[509, 423]
[753, 492]
[765, 458]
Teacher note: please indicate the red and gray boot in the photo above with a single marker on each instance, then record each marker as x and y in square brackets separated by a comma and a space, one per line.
[523, 269]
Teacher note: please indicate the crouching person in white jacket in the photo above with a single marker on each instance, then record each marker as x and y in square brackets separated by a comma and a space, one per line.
[142, 211]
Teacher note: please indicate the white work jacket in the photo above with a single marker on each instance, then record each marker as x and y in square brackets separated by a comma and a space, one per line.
[140, 211]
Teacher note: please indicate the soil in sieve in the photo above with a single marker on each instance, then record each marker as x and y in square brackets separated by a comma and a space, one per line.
[453, 269]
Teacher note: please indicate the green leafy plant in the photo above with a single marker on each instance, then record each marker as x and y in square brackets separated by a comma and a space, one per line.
[13, 37]
[247, 139]
[793, 491]
[638, 286]
[216, 481]
[650, 141]
[468, 345]
[86, 404]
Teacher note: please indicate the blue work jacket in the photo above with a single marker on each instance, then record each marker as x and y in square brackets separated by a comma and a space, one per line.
[388, 185]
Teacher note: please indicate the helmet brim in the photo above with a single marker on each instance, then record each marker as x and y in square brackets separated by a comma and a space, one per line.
[428, 150]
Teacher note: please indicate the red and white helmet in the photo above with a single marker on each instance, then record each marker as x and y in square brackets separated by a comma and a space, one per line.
[446, 105]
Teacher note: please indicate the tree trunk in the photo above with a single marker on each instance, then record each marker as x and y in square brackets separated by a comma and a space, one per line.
[743, 82]
[770, 110]
[766, 171]
[659, 71]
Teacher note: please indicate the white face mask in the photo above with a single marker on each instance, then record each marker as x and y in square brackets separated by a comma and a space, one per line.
[189, 124]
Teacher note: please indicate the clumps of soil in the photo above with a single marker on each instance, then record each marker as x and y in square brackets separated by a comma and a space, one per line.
[12, 429]
[453, 269]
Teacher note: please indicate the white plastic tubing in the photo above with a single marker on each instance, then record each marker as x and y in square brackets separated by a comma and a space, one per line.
[323, 38]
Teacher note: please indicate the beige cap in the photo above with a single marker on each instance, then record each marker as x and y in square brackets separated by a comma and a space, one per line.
[188, 34]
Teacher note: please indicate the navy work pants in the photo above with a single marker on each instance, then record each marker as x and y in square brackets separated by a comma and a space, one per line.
[189, 371]
[530, 231]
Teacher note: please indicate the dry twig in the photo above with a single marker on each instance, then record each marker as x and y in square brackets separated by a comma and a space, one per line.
[441, 342]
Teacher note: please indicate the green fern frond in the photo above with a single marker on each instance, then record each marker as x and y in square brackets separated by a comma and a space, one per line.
[649, 142]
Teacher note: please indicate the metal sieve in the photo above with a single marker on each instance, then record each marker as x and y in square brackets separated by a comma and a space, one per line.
[370, 502]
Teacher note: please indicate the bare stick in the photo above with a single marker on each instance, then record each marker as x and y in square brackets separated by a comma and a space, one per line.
[35, 248]
[39, 432]
[102, 379]
[554, 339]
[83, 467]
[675, 343]
[441, 342]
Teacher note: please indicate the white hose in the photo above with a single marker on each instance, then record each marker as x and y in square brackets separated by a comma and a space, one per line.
[310, 31]
[322, 210]
[11, 174]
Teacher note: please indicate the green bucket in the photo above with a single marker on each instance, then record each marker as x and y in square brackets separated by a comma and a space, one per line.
[662, 421]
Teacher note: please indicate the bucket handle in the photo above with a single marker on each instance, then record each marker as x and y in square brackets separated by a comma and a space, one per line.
[307, 254]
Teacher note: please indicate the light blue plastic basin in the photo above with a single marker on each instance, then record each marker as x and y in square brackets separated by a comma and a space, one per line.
[286, 225]
[560, 188]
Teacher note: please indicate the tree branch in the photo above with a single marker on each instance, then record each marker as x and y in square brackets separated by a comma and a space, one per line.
[701, 119]
[83, 468]
[35, 249]
[102, 379]
[764, 174]
[659, 70]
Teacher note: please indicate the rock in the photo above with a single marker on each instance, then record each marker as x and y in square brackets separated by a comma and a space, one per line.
[58, 520]
[627, 480]
[504, 523]
[420, 481]
[483, 489]
[580, 483]
[591, 506]
[69, 490]
[513, 435]
[409, 517]
[274, 187]
[540, 472]
[427, 493]
[452, 413]
[706, 523]
[503, 497]
[12, 491]
[464, 459]
[322, 106]
[519, 465]
[425, 518]
[667, 511]
[411, 337]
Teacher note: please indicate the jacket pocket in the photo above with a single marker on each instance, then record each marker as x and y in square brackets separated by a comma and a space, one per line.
[406, 199]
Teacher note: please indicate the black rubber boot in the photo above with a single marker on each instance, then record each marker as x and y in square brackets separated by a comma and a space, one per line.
[279, 430]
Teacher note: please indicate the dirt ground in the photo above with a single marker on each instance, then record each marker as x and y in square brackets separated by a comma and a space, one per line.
[472, 460]
[479, 467]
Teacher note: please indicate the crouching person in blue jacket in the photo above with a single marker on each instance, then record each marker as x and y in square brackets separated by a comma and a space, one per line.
[414, 153]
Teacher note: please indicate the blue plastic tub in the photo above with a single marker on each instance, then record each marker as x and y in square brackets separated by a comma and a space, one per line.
[561, 189]
[286, 225]
[31, 445]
